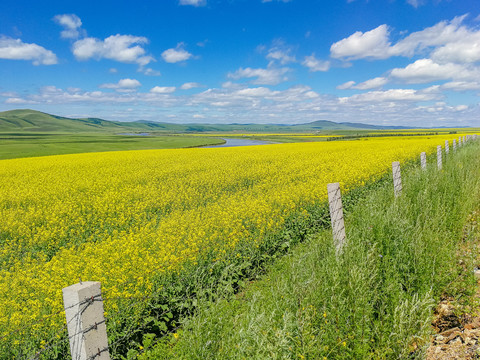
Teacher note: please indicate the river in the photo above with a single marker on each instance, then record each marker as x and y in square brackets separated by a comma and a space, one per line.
[239, 142]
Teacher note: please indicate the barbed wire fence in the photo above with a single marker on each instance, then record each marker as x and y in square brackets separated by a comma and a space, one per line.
[84, 317]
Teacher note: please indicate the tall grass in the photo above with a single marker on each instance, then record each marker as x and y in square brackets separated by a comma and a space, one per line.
[374, 301]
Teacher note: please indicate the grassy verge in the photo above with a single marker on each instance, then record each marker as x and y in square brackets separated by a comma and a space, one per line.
[43, 144]
[374, 301]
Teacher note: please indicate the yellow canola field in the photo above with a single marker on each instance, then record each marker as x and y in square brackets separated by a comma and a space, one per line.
[120, 217]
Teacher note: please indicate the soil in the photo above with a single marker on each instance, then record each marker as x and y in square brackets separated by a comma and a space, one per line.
[456, 320]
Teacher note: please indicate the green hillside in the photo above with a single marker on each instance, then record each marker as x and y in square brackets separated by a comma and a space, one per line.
[35, 121]
[30, 120]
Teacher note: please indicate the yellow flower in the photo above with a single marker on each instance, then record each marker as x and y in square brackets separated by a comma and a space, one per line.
[123, 218]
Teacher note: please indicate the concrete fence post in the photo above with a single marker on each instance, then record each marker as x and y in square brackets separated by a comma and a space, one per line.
[459, 141]
[397, 179]
[87, 331]
[447, 147]
[423, 160]
[336, 216]
[454, 145]
[439, 157]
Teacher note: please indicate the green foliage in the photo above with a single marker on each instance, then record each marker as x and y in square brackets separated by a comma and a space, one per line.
[43, 144]
[374, 301]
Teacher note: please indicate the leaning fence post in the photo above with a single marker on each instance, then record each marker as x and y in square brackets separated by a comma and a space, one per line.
[439, 157]
[397, 179]
[447, 147]
[87, 331]
[454, 145]
[336, 215]
[423, 160]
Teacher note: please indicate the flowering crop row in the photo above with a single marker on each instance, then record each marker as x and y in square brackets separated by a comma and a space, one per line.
[121, 217]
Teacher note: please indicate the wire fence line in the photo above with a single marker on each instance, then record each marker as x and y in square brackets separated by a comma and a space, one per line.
[60, 337]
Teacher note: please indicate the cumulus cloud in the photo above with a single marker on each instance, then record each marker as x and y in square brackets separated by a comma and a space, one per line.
[392, 95]
[269, 76]
[461, 86]
[463, 50]
[442, 33]
[281, 56]
[426, 70]
[346, 85]
[190, 85]
[122, 48]
[163, 89]
[371, 84]
[297, 104]
[16, 49]
[314, 64]
[279, 52]
[53, 95]
[177, 54]
[449, 41]
[371, 44]
[193, 2]
[123, 85]
[72, 25]
[149, 72]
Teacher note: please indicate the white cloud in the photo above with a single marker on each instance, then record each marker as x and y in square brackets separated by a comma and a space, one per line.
[464, 50]
[281, 56]
[15, 49]
[72, 25]
[450, 41]
[461, 86]
[176, 55]
[123, 85]
[17, 100]
[442, 33]
[415, 3]
[149, 72]
[269, 76]
[366, 85]
[112, 70]
[297, 104]
[199, 116]
[391, 95]
[313, 64]
[190, 85]
[371, 84]
[371, 44]
[122, 48]
[347, 85]
[279, 52]
[193, 2]
[163, 89]
[254, 92]
[426, 70]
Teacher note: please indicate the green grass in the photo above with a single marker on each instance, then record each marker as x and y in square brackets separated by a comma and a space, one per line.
[374, 301]
[18, 145]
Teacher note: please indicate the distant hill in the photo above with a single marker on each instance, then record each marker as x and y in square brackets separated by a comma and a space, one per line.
[36, 121]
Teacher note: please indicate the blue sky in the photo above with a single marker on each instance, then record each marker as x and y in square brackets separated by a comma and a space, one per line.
[390, 62]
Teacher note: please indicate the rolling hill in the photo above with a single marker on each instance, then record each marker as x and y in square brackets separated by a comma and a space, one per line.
[35, 121]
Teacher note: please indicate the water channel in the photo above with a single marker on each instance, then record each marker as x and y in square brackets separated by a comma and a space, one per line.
[239, 142]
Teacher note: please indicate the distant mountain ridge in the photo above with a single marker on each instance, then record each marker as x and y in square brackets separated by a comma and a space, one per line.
[27, 120]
